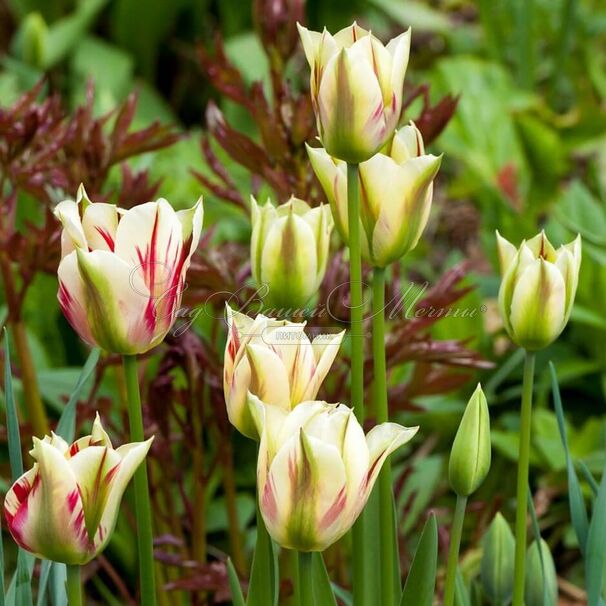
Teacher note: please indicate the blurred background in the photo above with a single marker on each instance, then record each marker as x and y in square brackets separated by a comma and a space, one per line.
[177, 99]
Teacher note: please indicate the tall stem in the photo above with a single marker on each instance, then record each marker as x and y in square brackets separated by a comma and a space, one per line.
[522, 491]
[380, 398]
[142, 501]
[357, 355]
[453, 550]
[306, 579]
[73, 586]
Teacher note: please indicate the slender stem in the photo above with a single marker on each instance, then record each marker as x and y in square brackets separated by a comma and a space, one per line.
[453, 550]
[73, 585]
[357, 356]
[306, 579]
[142, 501]
[380, 398]
[522, 491]
[296, 578]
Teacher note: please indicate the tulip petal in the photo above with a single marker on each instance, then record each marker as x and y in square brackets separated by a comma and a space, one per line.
[68, 212]
[100, 222]
[507, 252]
[269, 380]
[382, 440]
[538, 305]
[325, 349]
[118, 311]
[72, 297]
[407, 143]
[289, 262]
[50, 520]
[307, 478]
[399, 48]
[131, 455]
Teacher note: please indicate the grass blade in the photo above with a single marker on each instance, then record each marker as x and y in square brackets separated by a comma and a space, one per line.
[66, 428]
[421, 581]
[589, 477]
[578, 512]
[12, 421]
[234, 584]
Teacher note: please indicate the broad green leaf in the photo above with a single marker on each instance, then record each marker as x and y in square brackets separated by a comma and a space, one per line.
[421, 581]
[264, 577]
[578, 512]
[234, 584]
[323, 593]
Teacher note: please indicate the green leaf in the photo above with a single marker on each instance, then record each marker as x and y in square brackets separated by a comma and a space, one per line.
[66, 428]
[12, 422]
[461, 592]
[578, 513]
[234, 584]
[539, 564]
[1, 572]
[589, 477]
[323, 593]
[595, 548]
[421, 581]
[264, 577]
[23, 591]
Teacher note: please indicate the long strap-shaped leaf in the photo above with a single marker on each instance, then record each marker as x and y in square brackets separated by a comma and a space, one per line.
[264, 576]
[421, 581]
[19, 591]
[595, 551]
[323, 593]
[234, 584]
[578, 513]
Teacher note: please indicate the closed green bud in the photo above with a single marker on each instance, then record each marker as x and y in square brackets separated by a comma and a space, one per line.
[496, 571]
[539, 591]
[470, 454]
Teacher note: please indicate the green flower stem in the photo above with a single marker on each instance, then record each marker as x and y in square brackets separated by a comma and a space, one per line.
[73, 585]
[357, 356]
[380, 397]
[522, 491]
[306, 579]
[142, 502]
[453, 550]
[296, 598]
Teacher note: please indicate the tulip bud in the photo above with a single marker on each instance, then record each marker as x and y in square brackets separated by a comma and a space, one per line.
[538, 287]
[470, 455]
[356, 89]
[274, 360]
[289, 250]
[316, 469]
[396, 189]
[537, 587]
[65, 507]
[496, 573]
[122, 273]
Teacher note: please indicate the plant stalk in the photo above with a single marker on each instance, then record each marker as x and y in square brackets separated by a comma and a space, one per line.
[382, 413]
[142, 500]
[453, 550]
[73, 585]
[522, 489]
[357, 356]
[306, 579]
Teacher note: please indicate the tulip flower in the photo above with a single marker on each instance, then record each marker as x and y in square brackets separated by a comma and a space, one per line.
[289, 250]
[316, 469]
[122, 272]
[356, 89]
[396, 189]
[65, 507]
[537, 289]
[274, 360]
[470, 455]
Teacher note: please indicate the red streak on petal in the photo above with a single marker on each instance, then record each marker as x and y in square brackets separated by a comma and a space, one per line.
[334, 510]
[106, 236]
[111, 473]
[72, 500]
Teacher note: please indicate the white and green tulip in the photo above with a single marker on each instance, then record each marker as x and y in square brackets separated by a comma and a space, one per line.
[122, 272]
[289, 250]
[538, 287]
[356, 88]
[316, 469]
[396, 190]
[274, 360]
[65, 507]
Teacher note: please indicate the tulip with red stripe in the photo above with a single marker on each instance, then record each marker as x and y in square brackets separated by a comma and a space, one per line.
[65, 507]
[122, 272]
[316, 469]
